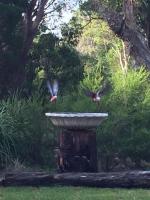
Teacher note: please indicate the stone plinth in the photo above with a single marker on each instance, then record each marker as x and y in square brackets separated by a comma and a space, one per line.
[77, 140]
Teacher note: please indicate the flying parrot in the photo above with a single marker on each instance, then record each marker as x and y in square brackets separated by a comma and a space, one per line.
[53, 89]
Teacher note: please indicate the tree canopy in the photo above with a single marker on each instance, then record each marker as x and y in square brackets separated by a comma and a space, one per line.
[21, 22]
[126, 20]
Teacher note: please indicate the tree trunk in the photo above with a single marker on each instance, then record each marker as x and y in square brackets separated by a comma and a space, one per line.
[30, 23]
[129, 14]
[147, 29]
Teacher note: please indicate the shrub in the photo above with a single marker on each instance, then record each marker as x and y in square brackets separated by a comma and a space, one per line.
[25, 133]
[126, 132]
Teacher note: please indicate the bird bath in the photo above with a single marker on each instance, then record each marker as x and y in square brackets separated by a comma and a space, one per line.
[77, 140]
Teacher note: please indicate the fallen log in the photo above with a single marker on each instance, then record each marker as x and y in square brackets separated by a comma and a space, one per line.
[132, 179]
[28, 179]
[118, 179]
[1, 181]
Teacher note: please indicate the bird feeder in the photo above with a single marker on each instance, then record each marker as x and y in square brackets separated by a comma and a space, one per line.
[77, 149]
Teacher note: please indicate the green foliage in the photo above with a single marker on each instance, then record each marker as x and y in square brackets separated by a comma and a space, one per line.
[75, 102]
[53, 59]
[17, 67]
[126, 131]
[112, 4]
[94, 43]
[92, 78]
[6, 137]
[96, 36]
[25, 133]
[27, 136]
[72, 31]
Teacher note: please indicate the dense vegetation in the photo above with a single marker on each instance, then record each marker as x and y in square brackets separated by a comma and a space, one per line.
[88, 55]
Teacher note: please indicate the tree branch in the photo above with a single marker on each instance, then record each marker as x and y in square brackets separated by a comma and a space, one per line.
[47, 13]
[40, 14]
[49, 4]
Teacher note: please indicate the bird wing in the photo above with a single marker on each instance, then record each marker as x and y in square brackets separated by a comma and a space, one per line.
[102, 91]
[50, 88]
[89, 93]
[55, 87]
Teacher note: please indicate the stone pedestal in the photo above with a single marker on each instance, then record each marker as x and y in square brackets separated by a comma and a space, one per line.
[77, 140]
[77, 151]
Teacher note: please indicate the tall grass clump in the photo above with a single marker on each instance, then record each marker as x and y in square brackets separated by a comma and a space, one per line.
[7, 146]
[25, 133]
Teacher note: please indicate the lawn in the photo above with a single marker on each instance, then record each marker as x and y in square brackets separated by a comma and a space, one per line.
[72, 193]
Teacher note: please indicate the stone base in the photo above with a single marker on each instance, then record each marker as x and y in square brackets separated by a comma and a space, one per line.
[77, 151]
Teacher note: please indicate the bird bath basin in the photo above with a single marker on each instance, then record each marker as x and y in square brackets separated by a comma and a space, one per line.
[77, 120]
[77, 140]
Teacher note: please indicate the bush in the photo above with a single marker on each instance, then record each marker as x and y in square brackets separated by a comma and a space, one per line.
[25, 133]
[28, 136]
[126, 132]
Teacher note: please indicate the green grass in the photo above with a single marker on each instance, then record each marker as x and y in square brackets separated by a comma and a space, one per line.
[72, 193]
